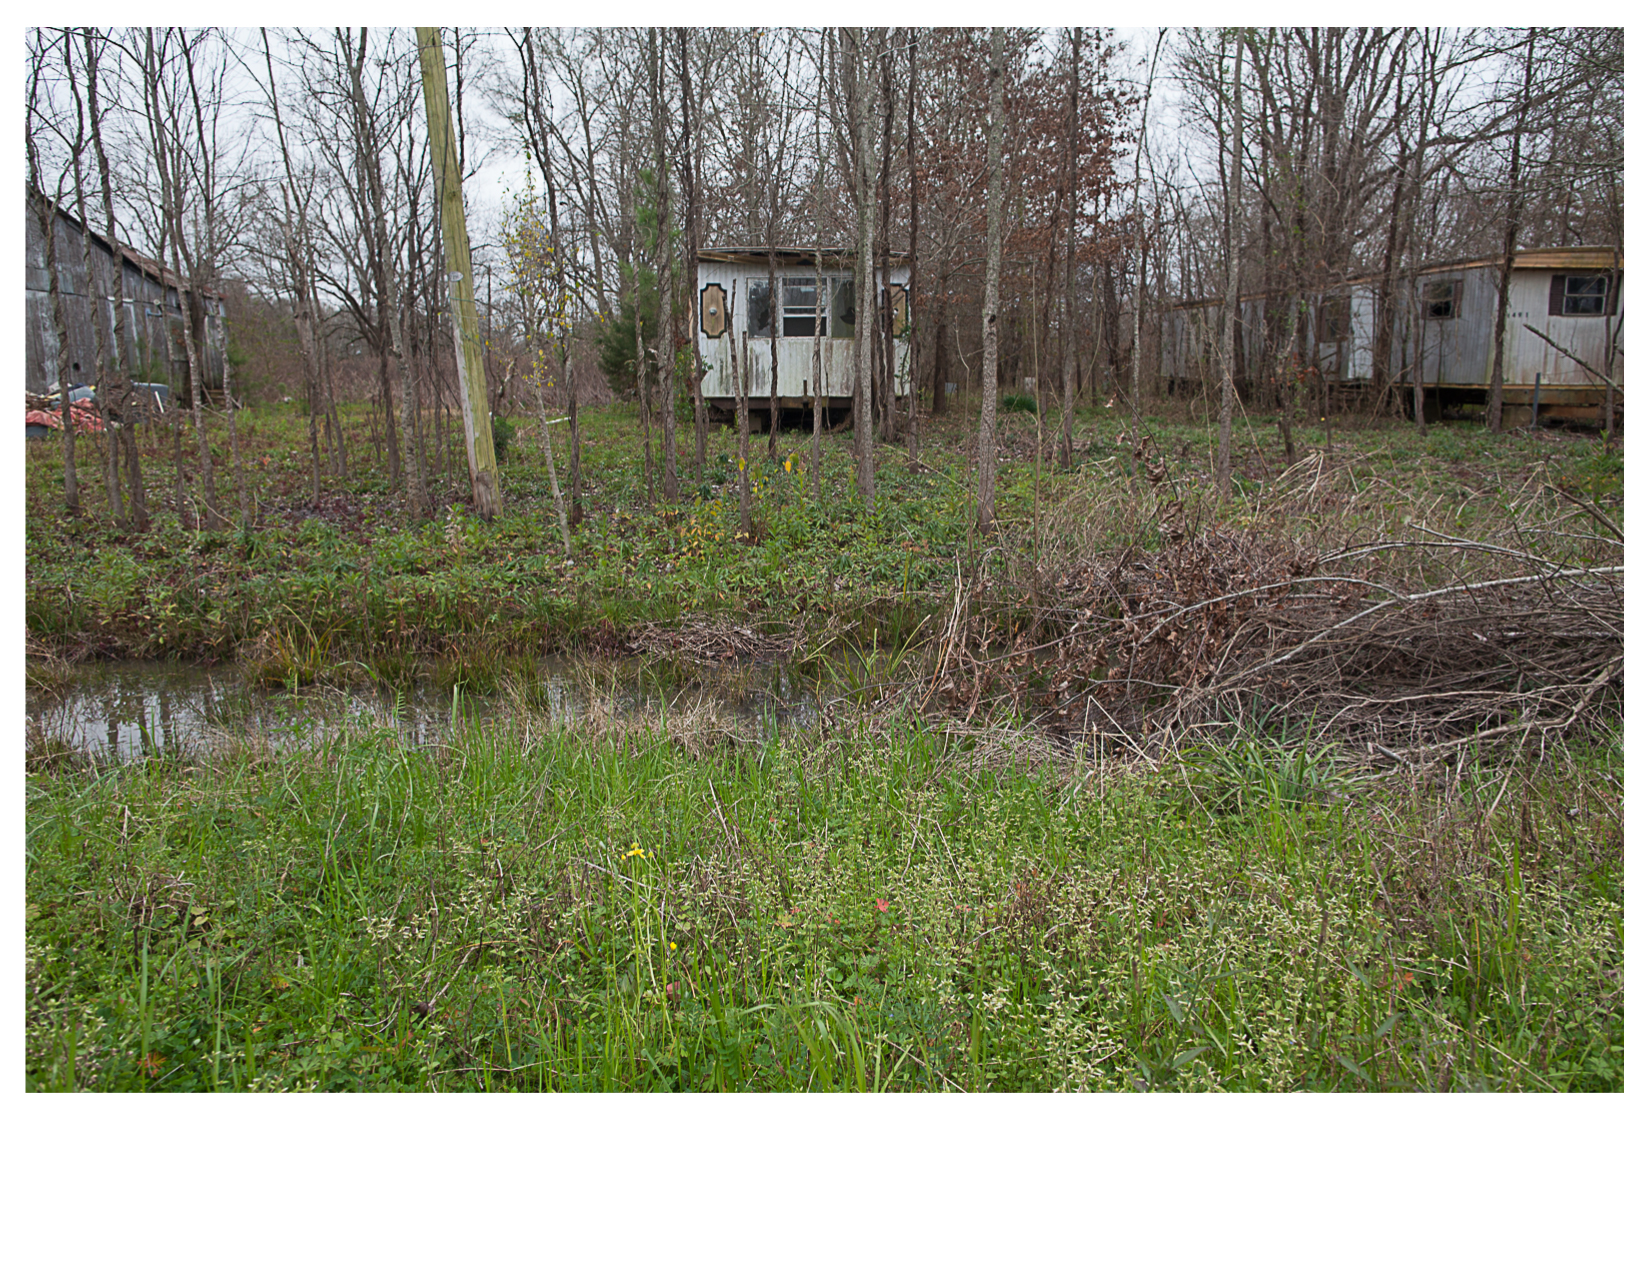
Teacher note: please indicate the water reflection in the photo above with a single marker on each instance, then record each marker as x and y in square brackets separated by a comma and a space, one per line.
[127, 709]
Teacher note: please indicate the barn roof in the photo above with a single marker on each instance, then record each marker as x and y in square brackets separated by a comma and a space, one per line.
[146, 265]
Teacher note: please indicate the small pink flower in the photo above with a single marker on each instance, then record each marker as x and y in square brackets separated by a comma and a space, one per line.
[882, 905]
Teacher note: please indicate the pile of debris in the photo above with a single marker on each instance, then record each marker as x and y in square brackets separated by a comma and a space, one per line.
[46, 412]
[705, 640]
[1407, 646]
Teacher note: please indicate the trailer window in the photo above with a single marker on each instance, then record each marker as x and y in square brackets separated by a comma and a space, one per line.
[1584, 294]
[800, 297]
[1442, 298]
[899, 319]
[842, 308]
[759, 309]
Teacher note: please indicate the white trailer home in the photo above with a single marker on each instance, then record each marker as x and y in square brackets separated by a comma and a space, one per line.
[1571, 295]
[735, 316]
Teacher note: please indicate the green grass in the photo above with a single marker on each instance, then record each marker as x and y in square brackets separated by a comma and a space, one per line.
[654, 909]
[301, 597]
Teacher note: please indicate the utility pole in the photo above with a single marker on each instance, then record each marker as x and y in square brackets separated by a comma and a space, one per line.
[455, 242]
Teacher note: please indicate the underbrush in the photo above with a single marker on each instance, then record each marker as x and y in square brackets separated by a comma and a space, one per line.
[305, 588]
[637, 907]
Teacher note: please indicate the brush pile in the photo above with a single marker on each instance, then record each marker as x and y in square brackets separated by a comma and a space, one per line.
[707, 640]
[1405, 645]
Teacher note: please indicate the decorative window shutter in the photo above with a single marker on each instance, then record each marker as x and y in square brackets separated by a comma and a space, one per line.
[713, 310]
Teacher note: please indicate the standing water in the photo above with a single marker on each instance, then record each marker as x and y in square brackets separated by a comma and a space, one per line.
[127, 709]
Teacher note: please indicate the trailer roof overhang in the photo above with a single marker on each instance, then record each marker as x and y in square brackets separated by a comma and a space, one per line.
[1591, 257]
[789, 256]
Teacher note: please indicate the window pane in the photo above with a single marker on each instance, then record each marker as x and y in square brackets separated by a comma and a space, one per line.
[759, 309]
[799, 306]
[1585, 293]
[1438, 297]
[799, 295]
[842, 308]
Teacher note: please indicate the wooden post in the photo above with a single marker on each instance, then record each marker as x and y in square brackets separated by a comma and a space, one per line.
[455, 242]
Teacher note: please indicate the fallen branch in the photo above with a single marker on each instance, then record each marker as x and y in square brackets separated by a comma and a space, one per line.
[1575, 358]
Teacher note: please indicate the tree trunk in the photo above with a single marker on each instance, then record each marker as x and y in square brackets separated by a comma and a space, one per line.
[455, 241]
[383, 283]
[911, 278]
[666, 351]
[1234, 222]
[741, 402]
[859, 100]
[819, 306]
[1136, 392]
[776, 319]
[94, 294]
[993, 275]
[690, 189]
[126, 433]
[71, 480]
[1509, 246]
[1068, 298]
[885, 297]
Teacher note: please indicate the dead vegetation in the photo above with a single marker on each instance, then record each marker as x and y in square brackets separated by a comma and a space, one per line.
[706, 639]
[1401, 640]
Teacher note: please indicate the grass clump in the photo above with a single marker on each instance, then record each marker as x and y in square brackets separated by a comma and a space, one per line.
[530, 908]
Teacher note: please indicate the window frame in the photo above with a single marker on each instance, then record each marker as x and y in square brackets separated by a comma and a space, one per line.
[802, 316]
[757, 285]
[1431, 298]
[843, 315]
[1560, 296]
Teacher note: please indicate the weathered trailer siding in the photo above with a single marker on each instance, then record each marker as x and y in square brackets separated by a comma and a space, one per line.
[1457, 351]
[796, 359]
[1526, 354]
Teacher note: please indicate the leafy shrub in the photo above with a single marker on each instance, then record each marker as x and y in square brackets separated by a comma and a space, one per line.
[503, 434]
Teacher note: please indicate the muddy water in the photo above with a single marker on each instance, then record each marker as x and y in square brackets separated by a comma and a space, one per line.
[124, 710]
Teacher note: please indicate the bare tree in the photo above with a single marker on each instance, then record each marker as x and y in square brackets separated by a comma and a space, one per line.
[1142, 151]
[539, 130]
[689, 159]
[1233, 230]
[165, 77]
[94, 310]
[993, 274]
[855, 67]
[1068, 296]
[115, 392]
[665, 349]
[1509, 246]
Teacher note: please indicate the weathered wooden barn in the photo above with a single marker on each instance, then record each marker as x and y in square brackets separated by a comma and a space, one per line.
[734, 302]
[1571, 295]
[155, 310]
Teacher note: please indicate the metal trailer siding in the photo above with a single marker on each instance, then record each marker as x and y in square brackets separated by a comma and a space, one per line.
[1457, 352]
[1526, 354]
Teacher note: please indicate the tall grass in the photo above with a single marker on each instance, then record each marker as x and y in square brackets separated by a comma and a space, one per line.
[533, 908]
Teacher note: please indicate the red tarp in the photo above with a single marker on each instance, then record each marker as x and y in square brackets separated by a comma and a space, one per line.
[85, 419]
